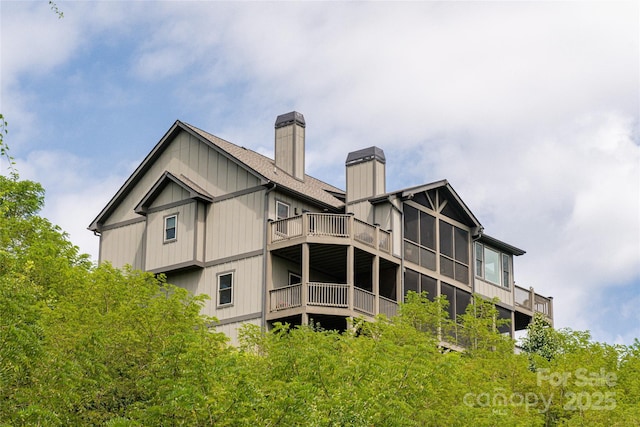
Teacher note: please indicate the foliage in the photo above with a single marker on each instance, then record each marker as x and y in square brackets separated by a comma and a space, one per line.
[87, 345]
[54, 7]
[541, 340]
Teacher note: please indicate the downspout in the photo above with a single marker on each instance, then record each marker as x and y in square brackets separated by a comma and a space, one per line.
[264, 257]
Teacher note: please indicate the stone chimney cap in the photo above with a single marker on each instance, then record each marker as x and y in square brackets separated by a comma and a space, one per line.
[365, 154]
[289, 119]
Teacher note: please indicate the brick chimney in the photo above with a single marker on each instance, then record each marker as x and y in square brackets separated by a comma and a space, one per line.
[289, 146]
[365, 174]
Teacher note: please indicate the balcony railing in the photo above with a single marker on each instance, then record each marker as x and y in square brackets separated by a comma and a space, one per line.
[331, 225]
[286, 297]
[330, 295]
[388, 307]
[528, 299]
[364, 301]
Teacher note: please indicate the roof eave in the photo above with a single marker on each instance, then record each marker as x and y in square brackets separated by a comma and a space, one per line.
[499, 244]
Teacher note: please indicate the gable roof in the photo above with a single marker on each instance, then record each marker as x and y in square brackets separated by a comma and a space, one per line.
[260, 166]
[195, 191]
[408, 193]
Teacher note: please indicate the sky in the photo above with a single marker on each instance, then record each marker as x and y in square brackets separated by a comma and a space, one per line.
[530, 109]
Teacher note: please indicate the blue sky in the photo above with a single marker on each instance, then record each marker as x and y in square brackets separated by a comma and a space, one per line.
[530, 110]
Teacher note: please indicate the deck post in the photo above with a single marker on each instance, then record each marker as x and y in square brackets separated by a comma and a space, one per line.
[304, 291]
[350, 275]
[375, 288]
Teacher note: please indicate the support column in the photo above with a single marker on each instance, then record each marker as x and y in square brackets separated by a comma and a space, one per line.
[399, 287]
[350, 275]
[304, 287]
[375, 288]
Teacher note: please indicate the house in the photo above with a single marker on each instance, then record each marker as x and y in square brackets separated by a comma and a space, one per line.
[270, 243]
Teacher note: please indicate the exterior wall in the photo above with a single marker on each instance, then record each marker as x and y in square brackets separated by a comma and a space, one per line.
[229, 220]
[490, 291]
[181, 250]
[289, 146]
[363, 211]
[124, 245]
[280, 271]
[365, 180]
[296, 206]
[187, 155]
[235, 226]
[171, 193]
[247, 288]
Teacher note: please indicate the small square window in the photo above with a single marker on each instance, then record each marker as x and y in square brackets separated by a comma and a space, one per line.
[225, 289]
[170, 228]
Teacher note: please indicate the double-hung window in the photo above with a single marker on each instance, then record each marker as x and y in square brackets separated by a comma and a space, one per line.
[170, 228]
[225, 289]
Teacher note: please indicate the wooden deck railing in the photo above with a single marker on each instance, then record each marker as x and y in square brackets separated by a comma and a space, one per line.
[528, 299]
[331, 225]
[364, 301]
[388, 307]
[330, 295]
[286, 297]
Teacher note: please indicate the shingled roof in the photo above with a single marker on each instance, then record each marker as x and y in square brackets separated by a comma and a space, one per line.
[310, 187]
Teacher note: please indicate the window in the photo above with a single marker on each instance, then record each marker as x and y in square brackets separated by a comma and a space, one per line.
[506, 271]
[454, 252]
[282, 213]
[420, 238]
[170, 228]
[282, 210]
[294, 279]
[493, 266]
[225, 289]
[414, 281]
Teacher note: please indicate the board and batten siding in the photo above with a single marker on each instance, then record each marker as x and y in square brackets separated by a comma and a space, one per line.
[187, 155]
[365, 179]
[235, 226]
[170, 194]
[296, 206]
[247, 288]
[123, 245]
[491, 291]
[180, 250]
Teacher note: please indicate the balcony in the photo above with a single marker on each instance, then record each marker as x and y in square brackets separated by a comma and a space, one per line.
[528, 302]
[334, 226]
[330, 296]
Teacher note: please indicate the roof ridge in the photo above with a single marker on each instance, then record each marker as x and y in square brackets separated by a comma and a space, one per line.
[209, 135]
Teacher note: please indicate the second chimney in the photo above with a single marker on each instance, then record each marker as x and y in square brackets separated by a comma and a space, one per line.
[365, 174]
[289, 147]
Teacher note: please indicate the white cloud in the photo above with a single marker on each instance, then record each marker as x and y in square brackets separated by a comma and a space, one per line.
[74, 195]
[530, 109]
